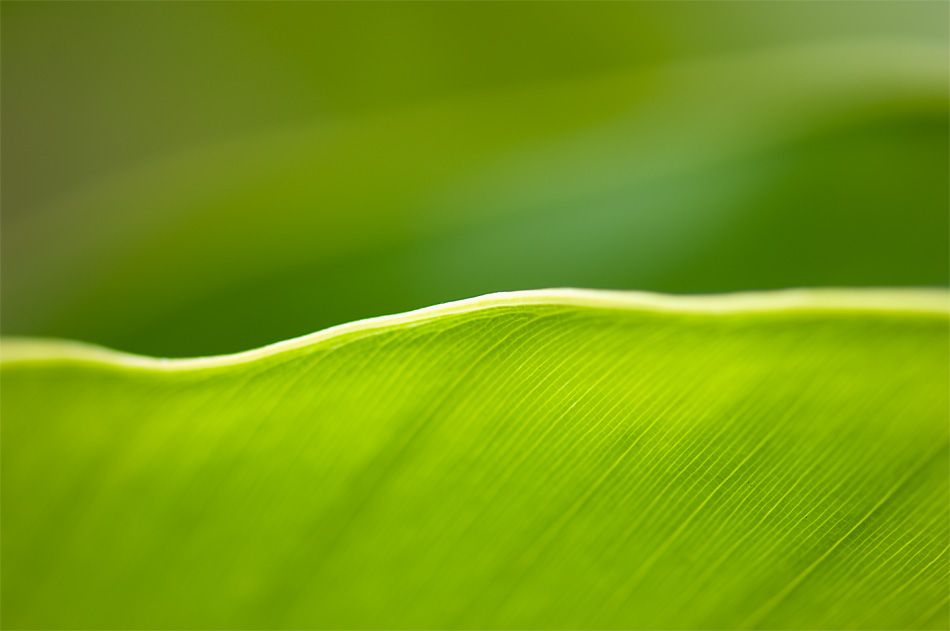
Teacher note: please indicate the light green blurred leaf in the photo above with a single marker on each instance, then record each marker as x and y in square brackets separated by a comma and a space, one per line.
[556, 459]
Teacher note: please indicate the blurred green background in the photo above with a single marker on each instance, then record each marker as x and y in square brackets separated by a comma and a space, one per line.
[197, 178]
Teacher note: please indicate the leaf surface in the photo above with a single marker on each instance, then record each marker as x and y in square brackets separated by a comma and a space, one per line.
[551, 459]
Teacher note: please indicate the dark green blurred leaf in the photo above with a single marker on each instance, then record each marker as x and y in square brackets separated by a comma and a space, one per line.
[819, 164]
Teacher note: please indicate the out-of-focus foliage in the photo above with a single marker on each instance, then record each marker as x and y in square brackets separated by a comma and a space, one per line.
[537, 460]
[183, 179]
[198, 178]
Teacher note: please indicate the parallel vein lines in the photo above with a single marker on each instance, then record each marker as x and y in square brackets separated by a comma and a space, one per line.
[520, 462]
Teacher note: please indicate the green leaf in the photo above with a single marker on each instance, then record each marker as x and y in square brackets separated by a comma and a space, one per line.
[816, 164]
[552, 459]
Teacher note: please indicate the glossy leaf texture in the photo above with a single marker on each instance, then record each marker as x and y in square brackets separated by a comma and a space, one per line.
[550, 459]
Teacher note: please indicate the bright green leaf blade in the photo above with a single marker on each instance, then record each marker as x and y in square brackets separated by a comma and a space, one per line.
[555, 459]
